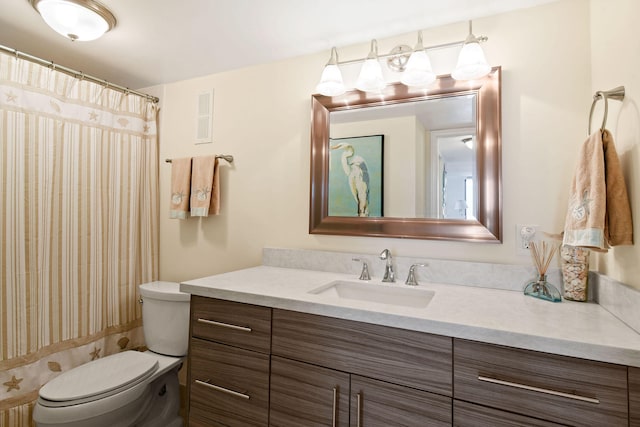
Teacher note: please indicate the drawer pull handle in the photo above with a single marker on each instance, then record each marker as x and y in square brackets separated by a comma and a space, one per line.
[225, 325]
[222, 389]
[538, 389]
[335, 406]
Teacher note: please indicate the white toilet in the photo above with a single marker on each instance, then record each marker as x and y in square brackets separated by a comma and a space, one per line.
[131, 388]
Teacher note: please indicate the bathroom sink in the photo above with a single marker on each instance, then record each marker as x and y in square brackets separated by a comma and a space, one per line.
[390, 294]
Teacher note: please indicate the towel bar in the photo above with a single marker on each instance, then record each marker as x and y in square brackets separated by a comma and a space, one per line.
[615, 93]
[227, 157]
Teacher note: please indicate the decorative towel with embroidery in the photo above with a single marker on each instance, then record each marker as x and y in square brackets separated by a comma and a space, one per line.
[599, 215]
[180, 187]
[203, 180]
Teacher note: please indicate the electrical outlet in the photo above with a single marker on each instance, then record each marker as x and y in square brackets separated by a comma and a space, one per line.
[525, 234]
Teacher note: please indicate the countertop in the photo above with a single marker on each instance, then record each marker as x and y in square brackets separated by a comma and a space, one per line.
[584, 330]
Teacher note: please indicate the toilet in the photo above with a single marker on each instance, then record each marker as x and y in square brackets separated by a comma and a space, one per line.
[130, 388]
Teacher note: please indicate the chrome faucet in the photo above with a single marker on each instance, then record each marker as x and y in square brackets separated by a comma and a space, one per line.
[364, 275]
[411, 277]
[389, 274]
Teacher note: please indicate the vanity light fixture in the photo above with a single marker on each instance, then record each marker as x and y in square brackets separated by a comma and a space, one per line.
[471, 61]
[415, 66]
[370, 78]
[418, 71]
[331, 83]
[81, 20]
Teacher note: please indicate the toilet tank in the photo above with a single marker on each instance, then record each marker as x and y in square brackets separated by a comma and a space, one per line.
[165, 318]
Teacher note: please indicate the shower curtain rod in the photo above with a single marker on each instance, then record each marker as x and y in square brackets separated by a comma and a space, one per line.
[76, 74]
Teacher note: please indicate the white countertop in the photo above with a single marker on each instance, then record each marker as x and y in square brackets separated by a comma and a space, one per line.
[510, 318]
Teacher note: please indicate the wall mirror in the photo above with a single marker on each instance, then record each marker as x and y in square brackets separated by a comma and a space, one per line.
[409, 163]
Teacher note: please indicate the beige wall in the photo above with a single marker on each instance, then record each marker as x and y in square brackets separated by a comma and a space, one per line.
[615, 60]
[262, 114]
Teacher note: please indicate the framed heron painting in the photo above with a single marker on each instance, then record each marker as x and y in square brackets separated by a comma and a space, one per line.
[355, 176]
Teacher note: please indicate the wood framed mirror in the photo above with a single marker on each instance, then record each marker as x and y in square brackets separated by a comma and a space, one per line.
[429, 215]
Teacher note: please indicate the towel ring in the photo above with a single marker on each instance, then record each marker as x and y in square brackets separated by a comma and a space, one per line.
[616, 93]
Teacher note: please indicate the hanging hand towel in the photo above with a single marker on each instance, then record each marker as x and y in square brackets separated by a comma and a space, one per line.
[214, 206]
[618, 225]
[202, 183]
[599, 215]
[180, 186]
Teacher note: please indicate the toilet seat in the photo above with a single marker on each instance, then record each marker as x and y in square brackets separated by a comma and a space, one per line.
[98, 379]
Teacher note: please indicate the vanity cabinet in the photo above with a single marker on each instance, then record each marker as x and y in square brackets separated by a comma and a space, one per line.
[379, 375]
[228, 363]
[257, 366]
[554, 388]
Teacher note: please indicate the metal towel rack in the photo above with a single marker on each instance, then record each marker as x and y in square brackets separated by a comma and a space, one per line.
[227, 157]
[615, 93]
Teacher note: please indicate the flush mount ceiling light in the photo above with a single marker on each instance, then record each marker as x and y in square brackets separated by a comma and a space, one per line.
[414, 64]
[81, 20]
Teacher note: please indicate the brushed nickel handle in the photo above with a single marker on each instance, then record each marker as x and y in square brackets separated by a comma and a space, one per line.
[222, 389]
[225, 325]
[335, 406]
[538, 389]
[359, 409]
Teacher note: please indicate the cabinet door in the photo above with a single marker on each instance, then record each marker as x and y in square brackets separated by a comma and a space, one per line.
[378, 404]
[229, 386]
[307, 395]
[469, 415]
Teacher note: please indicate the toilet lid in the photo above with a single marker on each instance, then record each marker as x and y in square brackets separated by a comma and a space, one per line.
[99, 377]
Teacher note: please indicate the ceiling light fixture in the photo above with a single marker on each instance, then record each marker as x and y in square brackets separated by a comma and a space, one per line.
[415, 66]
[81, 20]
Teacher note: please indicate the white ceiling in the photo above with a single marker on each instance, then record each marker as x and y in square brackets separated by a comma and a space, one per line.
[162, 41]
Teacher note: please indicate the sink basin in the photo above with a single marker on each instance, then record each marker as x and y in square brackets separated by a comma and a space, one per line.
[395, 294]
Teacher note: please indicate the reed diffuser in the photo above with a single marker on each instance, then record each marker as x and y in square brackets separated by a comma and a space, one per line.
[542, 257]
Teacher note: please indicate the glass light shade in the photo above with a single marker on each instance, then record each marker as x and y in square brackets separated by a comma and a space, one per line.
[331, 83]
[418, 71]
[75, 19]
[471, 63]
[370, 78]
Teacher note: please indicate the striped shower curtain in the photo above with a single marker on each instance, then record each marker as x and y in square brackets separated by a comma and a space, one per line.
[78, 225]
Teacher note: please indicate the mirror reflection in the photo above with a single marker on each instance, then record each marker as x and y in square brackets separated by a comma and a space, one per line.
[422, 167]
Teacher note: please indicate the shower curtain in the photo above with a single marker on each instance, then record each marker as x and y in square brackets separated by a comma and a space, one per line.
[78, 225]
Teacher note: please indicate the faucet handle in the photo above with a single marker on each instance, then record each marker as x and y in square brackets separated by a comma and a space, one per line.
[364, 275]
[411, 277]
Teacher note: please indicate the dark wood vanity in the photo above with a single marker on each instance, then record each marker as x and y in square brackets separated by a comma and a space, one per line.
[256, 366]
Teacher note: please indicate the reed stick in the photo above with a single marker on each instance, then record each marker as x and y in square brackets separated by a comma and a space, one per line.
[542, 256]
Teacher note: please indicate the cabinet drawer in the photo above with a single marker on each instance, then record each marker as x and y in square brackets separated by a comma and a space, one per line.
[241, 325]
[228, 385]
[380, 404]
[634, 397]
[469, 415]
[556, 388]
[399, 356]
